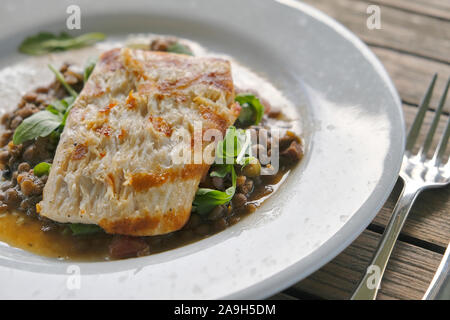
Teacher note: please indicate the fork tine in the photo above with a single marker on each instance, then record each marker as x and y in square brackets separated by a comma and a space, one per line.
[415, 128]
[429, 139]
[439, 154]
[440, 151]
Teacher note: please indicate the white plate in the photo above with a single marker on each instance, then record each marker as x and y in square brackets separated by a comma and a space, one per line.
[353, 128]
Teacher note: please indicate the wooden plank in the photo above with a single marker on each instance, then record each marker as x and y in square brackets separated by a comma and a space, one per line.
[412, 75]
[429, 219]
[435, 8]
[411, 31]
[400, 30]
[410, 112]
[282, 296]
[407, 276]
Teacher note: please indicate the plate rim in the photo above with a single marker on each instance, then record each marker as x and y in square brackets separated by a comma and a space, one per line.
[352, 228]
[361, 218]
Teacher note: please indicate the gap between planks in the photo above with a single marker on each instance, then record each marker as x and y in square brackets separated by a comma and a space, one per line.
[400, 30]
[411, 73]
[429, 219]
[411, 76]
[408, 274]
[411, 267]
[439, 9]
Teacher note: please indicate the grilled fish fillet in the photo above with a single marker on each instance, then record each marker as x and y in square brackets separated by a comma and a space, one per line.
[114, 163]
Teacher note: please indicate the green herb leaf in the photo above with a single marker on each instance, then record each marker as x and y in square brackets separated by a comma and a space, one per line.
[252, 109]
[65, 105]
[84, 229]
[66, 114]
[61, 79]
[69, 101]
[234, 147]
[248, 160]
[228, 148]
[238, 152]
[206, 199]
[60, 106]
[179, 48]
[42, 169]
[40, 124]
[90, 65]
[44, 123]
[221, 170]
[52, 109]
[45, 42]
[54, 136]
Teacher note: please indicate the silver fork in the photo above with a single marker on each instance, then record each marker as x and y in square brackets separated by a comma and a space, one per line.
[418, 173]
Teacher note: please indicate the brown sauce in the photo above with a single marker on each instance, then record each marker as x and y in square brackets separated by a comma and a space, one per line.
[22, 227]
[25, 232]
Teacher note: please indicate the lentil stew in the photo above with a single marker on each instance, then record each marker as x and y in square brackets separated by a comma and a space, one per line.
[21, 189]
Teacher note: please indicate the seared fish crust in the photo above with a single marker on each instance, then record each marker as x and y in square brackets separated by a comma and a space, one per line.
[114, 163]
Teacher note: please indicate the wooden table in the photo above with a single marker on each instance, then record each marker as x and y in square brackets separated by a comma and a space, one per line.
[413, 44]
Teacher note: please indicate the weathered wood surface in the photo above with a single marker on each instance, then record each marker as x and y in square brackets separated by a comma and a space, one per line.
[408, 274]
[411, 75]
[429, 220]
[401, 30]
[433, 8]
[413, 44]
[283, 296]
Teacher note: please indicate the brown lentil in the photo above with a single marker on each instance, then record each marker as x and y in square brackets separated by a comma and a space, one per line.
[12, 197]
[220, 224]
[239, 200]
[218, 183]
[247, 187]
[202, 230]
[216, 213]
[240, 181]
[24, 166]
[21, 190]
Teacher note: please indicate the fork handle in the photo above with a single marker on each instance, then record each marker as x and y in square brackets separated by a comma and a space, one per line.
[368, 287]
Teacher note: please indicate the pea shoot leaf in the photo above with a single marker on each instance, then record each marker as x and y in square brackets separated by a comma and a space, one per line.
[84, 229]
[179, 48]
[206, 199]
[252, 109]
[40, 124]
[45, 42]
